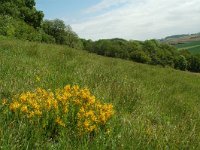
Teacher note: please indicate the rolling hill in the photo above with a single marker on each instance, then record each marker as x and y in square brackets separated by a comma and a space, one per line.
[155, 108]
[190, 42]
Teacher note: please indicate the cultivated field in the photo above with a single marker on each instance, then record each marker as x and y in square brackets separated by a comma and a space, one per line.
[193, 47]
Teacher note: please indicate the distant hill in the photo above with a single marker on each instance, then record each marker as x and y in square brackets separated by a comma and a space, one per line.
[180, 39]
[191, 42]
[176, 36]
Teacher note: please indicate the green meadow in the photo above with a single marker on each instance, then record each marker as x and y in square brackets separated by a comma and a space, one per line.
[193, 47]
[155, 107]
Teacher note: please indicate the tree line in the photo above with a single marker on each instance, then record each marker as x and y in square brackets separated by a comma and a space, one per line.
[148, 52]
[20, 19]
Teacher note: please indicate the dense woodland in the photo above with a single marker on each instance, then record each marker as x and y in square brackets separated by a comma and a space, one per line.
[20, 19]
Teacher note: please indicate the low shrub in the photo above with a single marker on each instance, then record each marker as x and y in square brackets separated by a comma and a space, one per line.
[70, 108]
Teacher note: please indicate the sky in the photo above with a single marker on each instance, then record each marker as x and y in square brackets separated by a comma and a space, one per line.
[128, 19]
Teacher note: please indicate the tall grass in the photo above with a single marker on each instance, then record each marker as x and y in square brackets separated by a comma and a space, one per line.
[155, 108]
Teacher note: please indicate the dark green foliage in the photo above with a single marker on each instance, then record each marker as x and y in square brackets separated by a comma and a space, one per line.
[87, 44]
[9, 7]
[194, 63]
[160, 54]
[140, 56]
[22, 9]
[30, 3]
[193, 60]
[181, 63]
[185, 53]
[54, 28]
[32, 17]
[148, 52]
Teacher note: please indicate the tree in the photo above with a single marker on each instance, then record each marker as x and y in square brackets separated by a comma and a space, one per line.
[55, 28]
[194, 63]
[181, 63]
[72, 39]
[140, 56]
[63, 34]
[22, 9]
[87, 45]
[30, 3]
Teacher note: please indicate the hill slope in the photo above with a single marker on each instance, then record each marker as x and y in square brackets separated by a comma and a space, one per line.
[193, 47]
[191, 42]
[184, 38]
[155, 107]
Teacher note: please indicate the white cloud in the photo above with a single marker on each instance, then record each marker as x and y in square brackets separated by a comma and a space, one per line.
[105, 4]
[143, 19]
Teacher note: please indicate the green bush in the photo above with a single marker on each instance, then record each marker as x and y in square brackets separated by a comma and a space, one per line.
[194, 63]
[6, 26]
[181, 63]
[19, 29]
[140, 56]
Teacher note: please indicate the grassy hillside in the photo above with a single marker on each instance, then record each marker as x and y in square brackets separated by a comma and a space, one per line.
[155, 108]
[193, 47]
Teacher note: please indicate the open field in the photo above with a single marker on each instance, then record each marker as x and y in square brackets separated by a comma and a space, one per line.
[155, 108]
[193, 47]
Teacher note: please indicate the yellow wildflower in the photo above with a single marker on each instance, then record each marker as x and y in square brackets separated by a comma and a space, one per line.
[65, 109]
[48, 104]
[90, 113]
[67, 88]
[24, 109]
[60, 122]
[38, 112]
[55, 104]
[31, 114]
[86, 124]
[92, 128]
[13, 106]
[23, 97]
[4, 101]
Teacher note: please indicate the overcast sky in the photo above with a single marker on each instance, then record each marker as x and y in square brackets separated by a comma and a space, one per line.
[128, 19]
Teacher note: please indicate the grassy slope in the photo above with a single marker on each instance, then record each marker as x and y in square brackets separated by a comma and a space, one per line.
[155, 107]
[193, 47]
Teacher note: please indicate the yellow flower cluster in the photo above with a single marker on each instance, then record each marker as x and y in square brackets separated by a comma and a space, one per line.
[70, 106]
